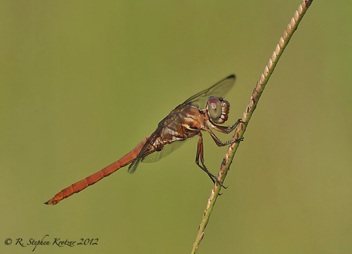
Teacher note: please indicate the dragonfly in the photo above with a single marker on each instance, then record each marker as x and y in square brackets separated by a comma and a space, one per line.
[203, 111]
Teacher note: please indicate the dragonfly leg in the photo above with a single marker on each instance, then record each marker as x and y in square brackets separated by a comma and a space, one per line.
[203, 167]
[218, 141]
[223, 129]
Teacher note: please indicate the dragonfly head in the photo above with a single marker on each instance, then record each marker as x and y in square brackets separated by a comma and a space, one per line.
[218, 109]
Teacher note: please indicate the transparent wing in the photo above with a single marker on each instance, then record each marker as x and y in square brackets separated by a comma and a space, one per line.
[144, 151]
[167, 149]
[220, 89]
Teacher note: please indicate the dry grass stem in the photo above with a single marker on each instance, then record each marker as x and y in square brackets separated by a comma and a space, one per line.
[258, 90]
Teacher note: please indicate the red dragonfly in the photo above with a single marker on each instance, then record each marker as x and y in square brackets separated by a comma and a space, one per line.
[200, 112]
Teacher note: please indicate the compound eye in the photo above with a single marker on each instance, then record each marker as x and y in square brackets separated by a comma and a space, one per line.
[214, 108]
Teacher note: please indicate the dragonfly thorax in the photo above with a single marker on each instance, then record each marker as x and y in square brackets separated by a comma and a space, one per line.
[218, 109]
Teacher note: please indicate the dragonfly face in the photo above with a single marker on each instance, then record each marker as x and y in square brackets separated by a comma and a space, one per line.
[218, 109]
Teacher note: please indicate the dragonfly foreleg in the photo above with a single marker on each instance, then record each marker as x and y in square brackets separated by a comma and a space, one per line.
[223, 129]
[203, 167]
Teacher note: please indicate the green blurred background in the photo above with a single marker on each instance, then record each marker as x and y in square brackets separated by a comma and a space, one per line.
[83, 82]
